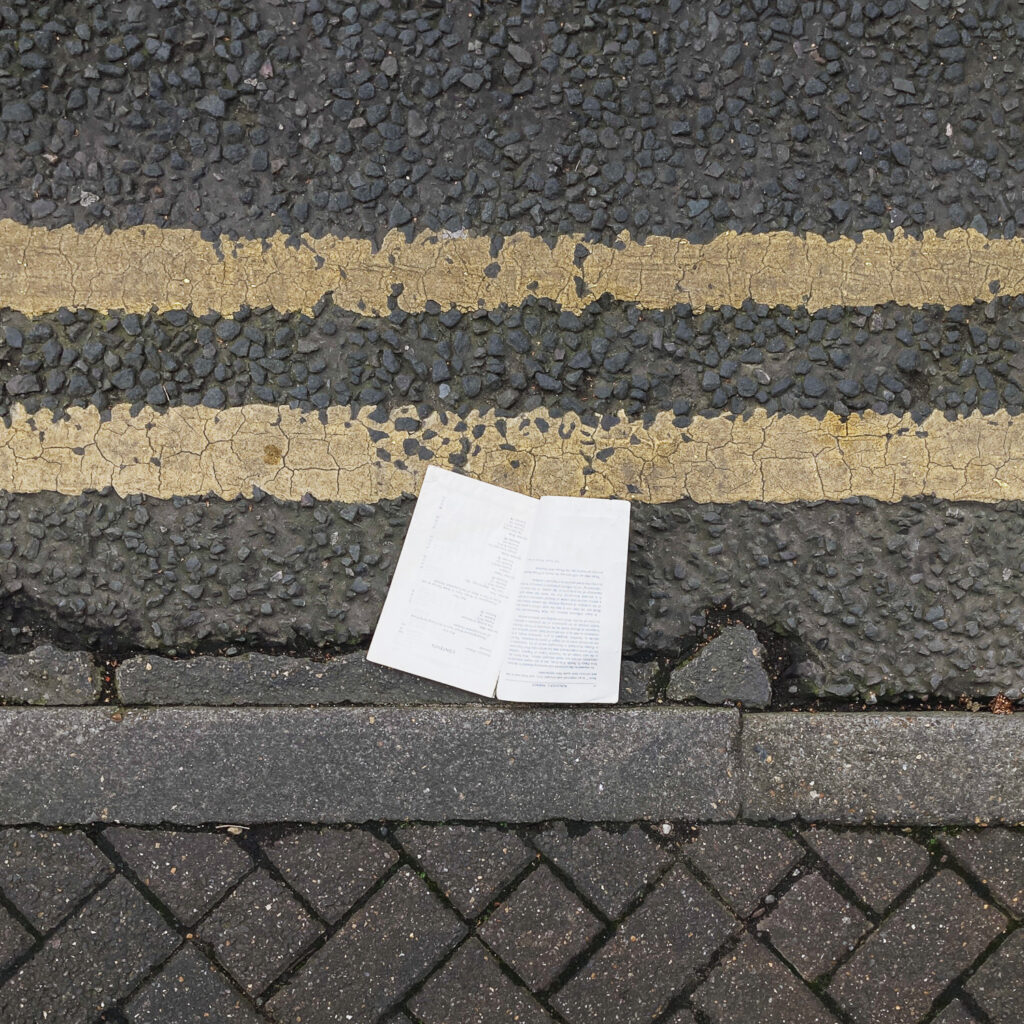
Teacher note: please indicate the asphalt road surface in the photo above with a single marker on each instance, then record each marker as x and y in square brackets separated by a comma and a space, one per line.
[758, 267]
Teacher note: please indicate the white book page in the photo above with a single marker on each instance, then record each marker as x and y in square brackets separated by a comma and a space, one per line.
[566, 638]
[448, 613]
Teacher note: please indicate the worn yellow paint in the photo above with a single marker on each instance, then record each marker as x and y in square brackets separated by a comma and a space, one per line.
[345, 455]
[142, 268]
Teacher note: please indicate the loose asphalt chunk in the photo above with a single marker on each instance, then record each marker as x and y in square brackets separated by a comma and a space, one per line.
[941, 767]
[729, 668]
[95, 958]
[386, 947]
[188, 988]
[904, 966]
[48, 675]
[252, 765]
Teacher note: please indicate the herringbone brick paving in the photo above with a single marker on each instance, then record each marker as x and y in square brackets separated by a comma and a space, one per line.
[463, 923]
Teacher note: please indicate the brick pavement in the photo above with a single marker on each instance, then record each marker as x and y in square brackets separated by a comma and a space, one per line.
[464, 924]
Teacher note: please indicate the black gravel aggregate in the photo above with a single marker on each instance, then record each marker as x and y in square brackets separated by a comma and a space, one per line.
[561, 116]
[681, 119]
[612, 356]
[852, 599]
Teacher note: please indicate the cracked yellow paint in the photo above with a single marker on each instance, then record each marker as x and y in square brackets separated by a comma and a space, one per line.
[142, 268]
[346, 455]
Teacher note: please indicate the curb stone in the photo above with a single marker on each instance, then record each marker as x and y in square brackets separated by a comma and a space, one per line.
[48, 675]
[919, 768]
[274, 679]
[196, 765]
[493, 763]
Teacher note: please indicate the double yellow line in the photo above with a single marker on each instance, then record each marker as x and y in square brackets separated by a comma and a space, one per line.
[344, 455]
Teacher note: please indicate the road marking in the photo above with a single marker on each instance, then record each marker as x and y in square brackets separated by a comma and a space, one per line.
[342, 455]
[142, 268]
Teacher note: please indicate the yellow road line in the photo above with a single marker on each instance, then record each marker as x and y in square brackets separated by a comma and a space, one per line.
[141, 268]
[346, 456]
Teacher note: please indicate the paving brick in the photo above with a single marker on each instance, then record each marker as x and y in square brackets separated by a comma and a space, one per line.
[653, 954]
[258, 931]
[471, 989]
[468, 864]
[14, 939]
[386, 947]
[332, 868]
[187, 871]
[189, 989]
[610, 868]
[956, 1013]
[744, 862]
[749, 986]
[48, 675]
[998, 985]
[44, 874]
[813, 927]
[995, 856]
[905, 965]
[497, 763]
[93, 960]
[877, 866]
[539, 928]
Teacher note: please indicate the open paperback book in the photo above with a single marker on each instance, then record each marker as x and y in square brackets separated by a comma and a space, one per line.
[508, 596]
